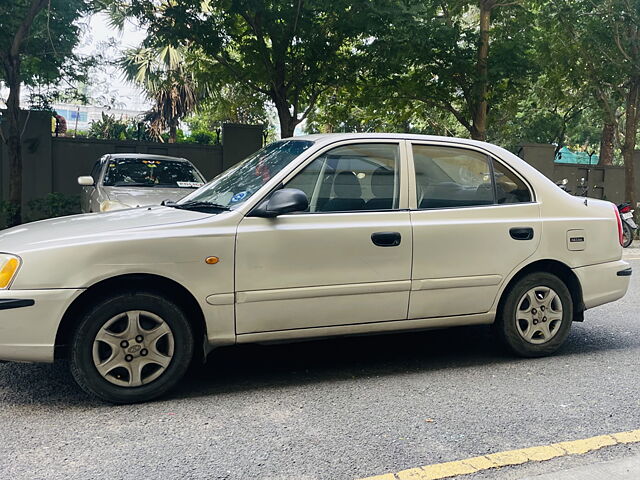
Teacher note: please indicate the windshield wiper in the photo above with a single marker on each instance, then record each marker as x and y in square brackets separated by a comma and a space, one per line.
[197, 206]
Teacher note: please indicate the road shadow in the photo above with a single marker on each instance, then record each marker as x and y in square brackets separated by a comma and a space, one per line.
[254, 367]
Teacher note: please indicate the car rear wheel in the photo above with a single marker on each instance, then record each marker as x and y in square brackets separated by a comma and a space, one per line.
[535, 318]
[132, 347]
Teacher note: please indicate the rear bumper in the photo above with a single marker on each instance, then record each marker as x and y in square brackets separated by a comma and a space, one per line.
[603, 283]
[29, 321]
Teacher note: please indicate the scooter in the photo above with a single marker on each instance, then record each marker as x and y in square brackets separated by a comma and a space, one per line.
[628, 224]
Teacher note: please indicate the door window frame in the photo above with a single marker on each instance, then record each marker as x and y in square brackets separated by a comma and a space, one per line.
[491, 158]
[403, 172]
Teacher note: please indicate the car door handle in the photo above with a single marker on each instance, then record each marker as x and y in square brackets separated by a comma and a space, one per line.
[521, 233]
[386, 239]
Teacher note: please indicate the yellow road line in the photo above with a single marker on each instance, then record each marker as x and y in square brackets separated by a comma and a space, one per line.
[512, 457]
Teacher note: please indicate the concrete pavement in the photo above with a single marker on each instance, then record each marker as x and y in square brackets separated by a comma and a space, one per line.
[624, 469]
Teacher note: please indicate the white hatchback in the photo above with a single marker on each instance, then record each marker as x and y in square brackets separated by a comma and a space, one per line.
[310, 237]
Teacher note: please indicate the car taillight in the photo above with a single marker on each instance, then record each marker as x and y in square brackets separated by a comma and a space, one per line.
[619, 221]
[626, 209]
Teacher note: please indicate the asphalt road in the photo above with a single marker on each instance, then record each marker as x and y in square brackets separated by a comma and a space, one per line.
[337, 409]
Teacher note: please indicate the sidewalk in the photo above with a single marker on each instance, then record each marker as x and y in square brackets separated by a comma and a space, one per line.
[627, 469]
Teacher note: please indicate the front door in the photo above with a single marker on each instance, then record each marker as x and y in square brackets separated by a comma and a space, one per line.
[474, 221]
[345, 261]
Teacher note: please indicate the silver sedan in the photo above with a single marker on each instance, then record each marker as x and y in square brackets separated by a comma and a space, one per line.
[128, 180]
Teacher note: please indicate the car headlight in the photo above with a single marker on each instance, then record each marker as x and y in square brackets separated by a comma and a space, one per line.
[109, 205]
[9, 265]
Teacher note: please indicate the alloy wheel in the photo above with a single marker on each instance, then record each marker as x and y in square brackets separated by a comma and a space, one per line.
[133, 348]
[539, 315]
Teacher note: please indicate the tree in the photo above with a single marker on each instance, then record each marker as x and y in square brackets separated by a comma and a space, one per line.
[289, 52]
[604, 53]
[229, 103]
[36, 40]
[167, 76]
[433, 57]
[623, 16]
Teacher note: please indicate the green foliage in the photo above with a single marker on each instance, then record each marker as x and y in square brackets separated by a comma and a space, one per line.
[167, 75]
[7, 212]
[288, 52]
[418, 67]
[111, 128]
[53, 205]
[229, 103]
[202, 137]
[108, 128]
[46, 54]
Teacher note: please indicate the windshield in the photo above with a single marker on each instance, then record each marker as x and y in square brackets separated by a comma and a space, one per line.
[237, 184]
[151, 172]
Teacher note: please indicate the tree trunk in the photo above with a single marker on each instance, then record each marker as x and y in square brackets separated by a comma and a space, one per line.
[480, 107]
[288, 123]
[173, 132]
[607, 143]
[14, 143]
[630, 134]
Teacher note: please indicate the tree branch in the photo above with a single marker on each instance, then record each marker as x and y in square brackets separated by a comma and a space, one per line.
[25, 26]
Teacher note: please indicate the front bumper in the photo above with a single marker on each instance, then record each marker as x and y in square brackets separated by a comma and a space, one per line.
[29, 321]
[604, 282]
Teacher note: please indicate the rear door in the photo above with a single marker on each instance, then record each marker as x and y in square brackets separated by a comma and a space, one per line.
[474, 220]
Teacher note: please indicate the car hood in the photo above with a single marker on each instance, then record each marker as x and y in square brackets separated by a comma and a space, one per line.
[143, 196]
[79, 229]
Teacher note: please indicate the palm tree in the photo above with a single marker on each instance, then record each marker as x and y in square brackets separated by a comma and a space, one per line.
[167, 75]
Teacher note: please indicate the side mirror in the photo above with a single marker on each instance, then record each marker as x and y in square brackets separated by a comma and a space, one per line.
[286, 200]
[86, 181]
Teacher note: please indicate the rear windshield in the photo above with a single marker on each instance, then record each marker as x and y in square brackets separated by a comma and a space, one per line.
[151, 172]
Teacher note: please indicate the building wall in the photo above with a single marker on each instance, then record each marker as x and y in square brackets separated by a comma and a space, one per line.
[72, 158]
[605, 182]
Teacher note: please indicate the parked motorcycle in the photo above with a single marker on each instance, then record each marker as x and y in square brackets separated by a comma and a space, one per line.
[628, 224]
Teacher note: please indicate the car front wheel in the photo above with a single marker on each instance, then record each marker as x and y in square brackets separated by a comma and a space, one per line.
[132, 347]
[535, 318]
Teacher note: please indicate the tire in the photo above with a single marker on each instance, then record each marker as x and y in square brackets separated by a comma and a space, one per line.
[627, 233]
[524, 324]
[131, 347]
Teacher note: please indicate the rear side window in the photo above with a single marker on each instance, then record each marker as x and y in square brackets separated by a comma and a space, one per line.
[509, 188]
[451, 177]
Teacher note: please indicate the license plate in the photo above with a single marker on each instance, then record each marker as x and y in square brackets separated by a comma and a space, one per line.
[627, 215]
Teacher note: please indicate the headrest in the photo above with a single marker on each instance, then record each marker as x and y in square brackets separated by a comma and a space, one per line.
[382, 181]
[347, 185]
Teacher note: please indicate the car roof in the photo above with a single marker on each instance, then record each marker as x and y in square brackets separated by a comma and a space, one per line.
[321, 139]
[146, 156]
[332, 137]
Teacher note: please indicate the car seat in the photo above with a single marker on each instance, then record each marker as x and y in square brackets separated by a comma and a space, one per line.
[382, 183]
[348, 194]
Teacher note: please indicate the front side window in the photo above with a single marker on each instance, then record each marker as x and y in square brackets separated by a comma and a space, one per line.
[151, 172]
[356, 177]
[236, 185]
[451, 177]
